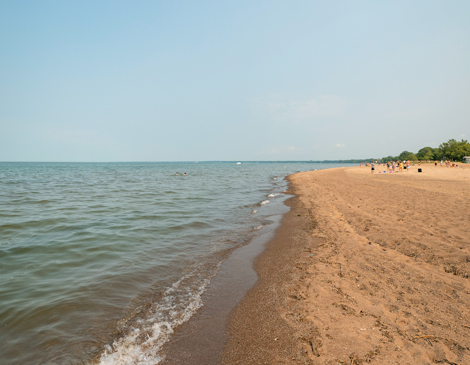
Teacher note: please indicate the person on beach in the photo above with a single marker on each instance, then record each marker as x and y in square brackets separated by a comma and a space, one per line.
[400, 169]
[372, 168]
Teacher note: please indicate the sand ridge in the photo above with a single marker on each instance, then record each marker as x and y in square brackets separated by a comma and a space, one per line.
[373, 268]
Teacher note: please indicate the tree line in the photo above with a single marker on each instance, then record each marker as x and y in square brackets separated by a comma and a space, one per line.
[451, 150]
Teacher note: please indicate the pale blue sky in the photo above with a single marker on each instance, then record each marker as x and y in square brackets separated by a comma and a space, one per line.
[231, 80]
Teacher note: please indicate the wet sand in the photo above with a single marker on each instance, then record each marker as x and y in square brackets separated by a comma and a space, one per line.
[200, 341]
[365, 268]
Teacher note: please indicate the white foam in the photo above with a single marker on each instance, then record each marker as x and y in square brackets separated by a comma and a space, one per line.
[257, 228]
[254, 211]
[264, 202]
[273, 195]
[176, 307]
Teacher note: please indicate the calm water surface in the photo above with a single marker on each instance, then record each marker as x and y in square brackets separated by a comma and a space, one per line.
[99, 262]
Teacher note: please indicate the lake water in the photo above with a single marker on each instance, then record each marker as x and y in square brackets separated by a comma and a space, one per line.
[99, 262]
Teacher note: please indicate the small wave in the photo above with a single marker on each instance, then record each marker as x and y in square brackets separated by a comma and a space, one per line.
[257, 228]
[145, 337]
[264, 202]
[254, 211]
[273, 195]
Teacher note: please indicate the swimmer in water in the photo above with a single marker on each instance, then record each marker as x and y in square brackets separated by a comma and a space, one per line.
[177, 174]
[184, 174]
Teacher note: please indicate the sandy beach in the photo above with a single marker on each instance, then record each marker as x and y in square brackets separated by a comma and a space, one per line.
[365, 268]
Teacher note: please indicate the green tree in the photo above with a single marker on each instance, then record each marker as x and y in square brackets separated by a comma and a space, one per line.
[389, 158]
[406, 155]
[426, 153]
[438, 154]
[454, 150]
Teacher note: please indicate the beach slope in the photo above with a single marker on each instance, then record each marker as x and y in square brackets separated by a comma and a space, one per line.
[365, 268]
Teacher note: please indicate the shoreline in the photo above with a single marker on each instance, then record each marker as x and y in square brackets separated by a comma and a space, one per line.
[200, 340]
[363, 269]
[258, 332]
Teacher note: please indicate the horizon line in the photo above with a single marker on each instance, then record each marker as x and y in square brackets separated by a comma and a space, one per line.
[193, 161]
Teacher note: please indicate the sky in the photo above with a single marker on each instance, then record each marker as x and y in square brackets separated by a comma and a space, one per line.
[231, 80]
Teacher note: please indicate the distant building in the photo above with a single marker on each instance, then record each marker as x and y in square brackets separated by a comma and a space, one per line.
[467, 159]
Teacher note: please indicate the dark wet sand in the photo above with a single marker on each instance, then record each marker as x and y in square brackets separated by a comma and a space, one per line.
[259, 332]
[200, 341]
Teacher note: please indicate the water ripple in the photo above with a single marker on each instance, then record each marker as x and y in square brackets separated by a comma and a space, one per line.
[88, 250]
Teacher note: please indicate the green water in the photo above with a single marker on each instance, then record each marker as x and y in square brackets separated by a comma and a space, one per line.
[91, 251]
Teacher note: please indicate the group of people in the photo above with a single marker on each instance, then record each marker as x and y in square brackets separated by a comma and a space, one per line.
[178, 174]
[450, 164]
[393, 166]
[442, 163]
[445, 163]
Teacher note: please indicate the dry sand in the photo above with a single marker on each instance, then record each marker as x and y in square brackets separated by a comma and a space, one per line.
[364, 269]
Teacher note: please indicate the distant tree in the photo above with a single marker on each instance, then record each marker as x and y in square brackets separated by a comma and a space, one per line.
[438, 154]
[389, 158]
[451, 150]
[406, 155]
[425, 153]
[454, 150]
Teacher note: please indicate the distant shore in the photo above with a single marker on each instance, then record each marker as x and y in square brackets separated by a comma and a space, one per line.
[365, 268]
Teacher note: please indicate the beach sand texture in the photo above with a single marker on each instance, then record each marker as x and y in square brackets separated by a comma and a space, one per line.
[365, 268]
